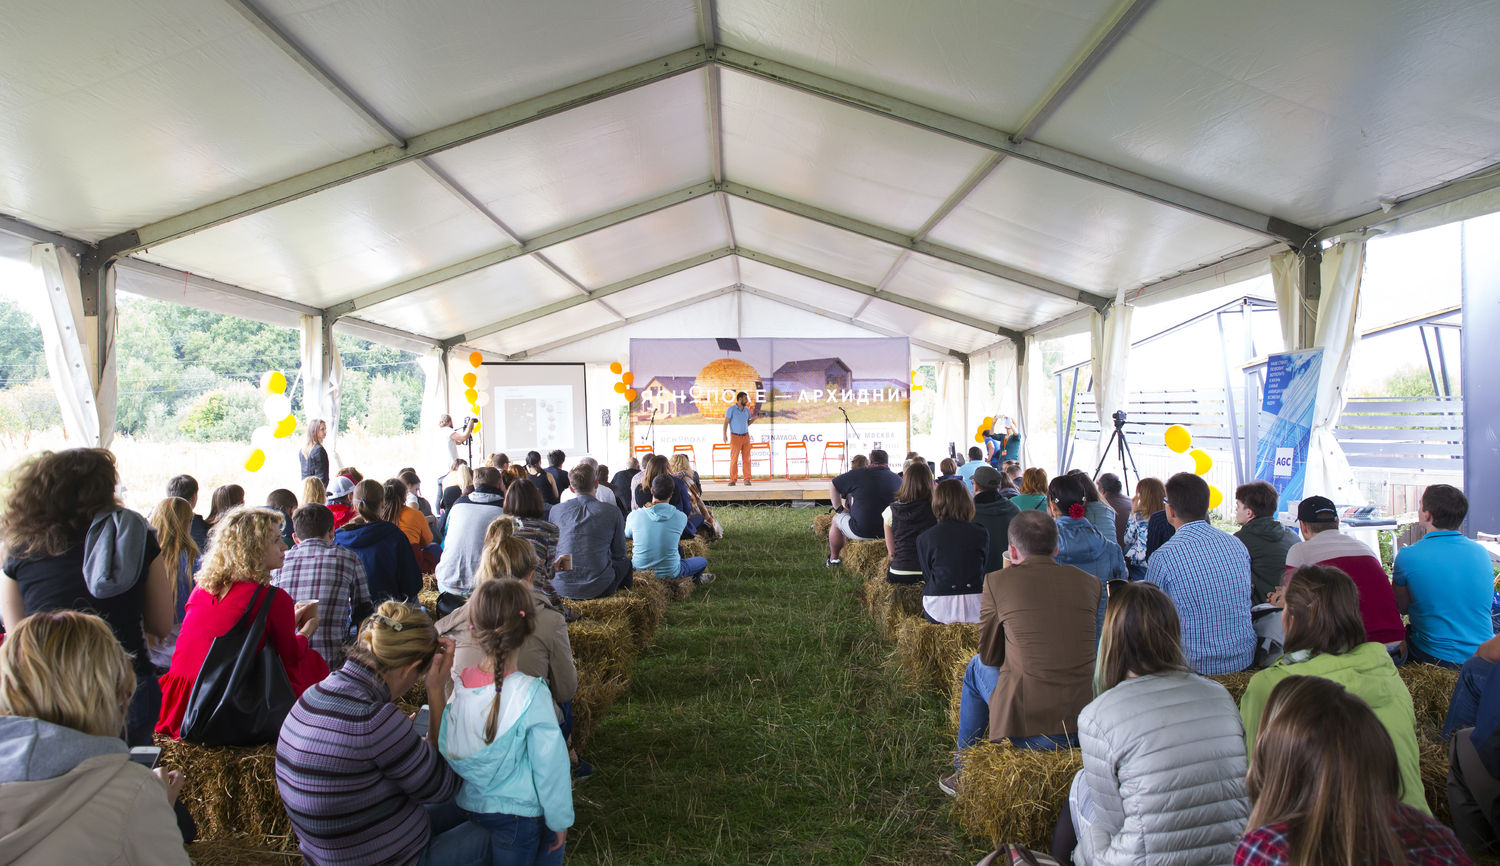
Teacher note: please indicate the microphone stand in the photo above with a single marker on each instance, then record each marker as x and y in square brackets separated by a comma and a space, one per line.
[848, 429]
[651, 430]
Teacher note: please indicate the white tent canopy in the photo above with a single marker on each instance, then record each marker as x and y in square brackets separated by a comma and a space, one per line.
[546, 180]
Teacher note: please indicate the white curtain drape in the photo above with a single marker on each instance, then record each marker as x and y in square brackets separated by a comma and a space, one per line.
[1029, 401]
[948, 420]
[1110, 354]
[86, 390]
[434, 366]
[1336, 333]
[322, 373]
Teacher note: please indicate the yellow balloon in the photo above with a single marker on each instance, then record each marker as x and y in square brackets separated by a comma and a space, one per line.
[1201, 461]
[285, 427]
[628, 378]
[475, 359]
[476, 425]
[273, 381]
[1178, 438]
[978, 437]
[471, 395]
[470, 380]
[630, 395]
[256, 460]
[615, 368]
[1215, 496]
[619, 387]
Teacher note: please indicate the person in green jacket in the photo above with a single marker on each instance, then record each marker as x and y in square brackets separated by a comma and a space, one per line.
[1325, 637]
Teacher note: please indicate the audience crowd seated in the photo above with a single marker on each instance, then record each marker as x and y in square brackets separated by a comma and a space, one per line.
[284, 502]
[1150, 499]
[1325, 787]
[1264, 537]
[390, 563]
[1163, 778]
[1080, 542]
[464, 525]
[591, 536]
[172, 520]
[69, 792]
[1444, 583]
[185, 487]
[906, 518]
[1325, 545]
[655, 532]
[546, 482]
[333, 576]
[314, 492]
[1033, 495]
[967, 469]
[1035, 666]
[523, 504]
[953, 553]
[1095, 510]
[459, 482]
[992, 511]
[340, 491]
[1112, 492]
[869, 491]
[395, 509]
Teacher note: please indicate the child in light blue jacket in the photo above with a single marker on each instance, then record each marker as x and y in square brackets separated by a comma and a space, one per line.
[502, 736]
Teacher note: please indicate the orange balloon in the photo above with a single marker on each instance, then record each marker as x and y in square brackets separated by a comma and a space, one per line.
[615, 368]
[470, 380]
[978, 437]
[475, 359]
[619, 387]
[628, 378]
[630, 395]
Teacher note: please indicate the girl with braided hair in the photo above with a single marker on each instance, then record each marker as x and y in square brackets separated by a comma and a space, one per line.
[501, 735]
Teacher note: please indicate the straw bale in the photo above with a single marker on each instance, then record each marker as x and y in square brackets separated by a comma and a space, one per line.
[416, 695]
[955, 688]
[428, 599]
[694, 546]
[648, 585]
[636, 609]
[1434, 763]
[671, 588]
[822, 523]
[429, 581]
[596, 694]
[927, 651]
[1007, 794]
[238, 853]
[1234, 683]
[231, 793]
[865, 558]
[889, 604]
[1431, 689]
[604, 648]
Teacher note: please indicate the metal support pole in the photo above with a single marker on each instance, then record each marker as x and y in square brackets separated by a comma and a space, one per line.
[1437, 337]
[1427, 351]
[1310, 295]
[1229, 413]
[1481, 347]
[1252, 415]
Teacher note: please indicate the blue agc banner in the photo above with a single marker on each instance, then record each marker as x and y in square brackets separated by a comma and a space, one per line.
[1286, 418]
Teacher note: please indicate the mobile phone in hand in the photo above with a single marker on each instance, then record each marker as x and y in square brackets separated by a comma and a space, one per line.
[422, 720]
[146, 756]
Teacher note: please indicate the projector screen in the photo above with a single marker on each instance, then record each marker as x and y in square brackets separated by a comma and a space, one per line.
[534, 407]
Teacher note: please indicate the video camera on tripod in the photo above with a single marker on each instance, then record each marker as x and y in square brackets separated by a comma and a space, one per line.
[1122, 450]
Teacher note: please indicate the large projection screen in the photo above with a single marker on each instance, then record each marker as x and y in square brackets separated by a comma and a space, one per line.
[534, 407]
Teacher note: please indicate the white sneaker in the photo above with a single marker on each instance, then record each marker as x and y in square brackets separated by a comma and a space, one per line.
[704, 579]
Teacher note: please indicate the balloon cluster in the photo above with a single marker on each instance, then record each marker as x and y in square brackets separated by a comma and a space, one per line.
[477, 399]
[984, 426]
[280, 422]
[914, 375]
[627, 379]
[1181, 441]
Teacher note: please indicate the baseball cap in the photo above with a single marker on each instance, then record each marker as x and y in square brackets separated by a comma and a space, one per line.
[986, 476]
[340, 487]
[1317, 509]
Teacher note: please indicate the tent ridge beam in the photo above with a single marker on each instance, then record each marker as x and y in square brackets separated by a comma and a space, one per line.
[996, 140]
[900, 300]
[654, 312]
[514, 251]
[37, 234]
[417, 147]
[596, 294]
[848, 320]
[907, 242]
[350, 323]
[1484, 180]
[188, 278]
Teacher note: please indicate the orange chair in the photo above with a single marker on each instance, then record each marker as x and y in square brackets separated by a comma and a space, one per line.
[722, 451]
[638, 450]
[760, 451]
[837, 452]
[688, 450]
[796, 452]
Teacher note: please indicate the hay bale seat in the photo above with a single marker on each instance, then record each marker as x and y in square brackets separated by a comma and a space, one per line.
[928, 652]
[429, 581]
[231, 794]
[428, 599]
[822, 523]
[604, 648]
[866, 559]
[694, 546]
[205, 852]
[596, 694]
[637, 608]
[669, 588]
[1007, 794]
[1431, 689]
[891, 604]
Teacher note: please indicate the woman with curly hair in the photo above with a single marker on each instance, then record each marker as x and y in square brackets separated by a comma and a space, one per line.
[246, 548]
[71, 546]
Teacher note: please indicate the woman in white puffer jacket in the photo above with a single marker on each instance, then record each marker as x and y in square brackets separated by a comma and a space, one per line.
[1163, 779]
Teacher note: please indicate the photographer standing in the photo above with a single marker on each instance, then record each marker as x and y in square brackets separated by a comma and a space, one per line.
[1005, 446]
[448, 441]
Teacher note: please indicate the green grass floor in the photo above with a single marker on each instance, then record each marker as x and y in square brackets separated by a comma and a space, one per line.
[766, 726]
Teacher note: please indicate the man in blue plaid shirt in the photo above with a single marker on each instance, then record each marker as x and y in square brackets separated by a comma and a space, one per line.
[1206, 572]
[318, 569]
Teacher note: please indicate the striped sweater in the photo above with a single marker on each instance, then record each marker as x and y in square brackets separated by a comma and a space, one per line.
[354, 774]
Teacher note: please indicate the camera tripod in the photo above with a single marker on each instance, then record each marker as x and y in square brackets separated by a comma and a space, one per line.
[1122, 451]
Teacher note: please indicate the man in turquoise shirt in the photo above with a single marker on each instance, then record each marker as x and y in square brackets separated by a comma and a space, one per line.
[737, 420]
[1445, 583]
[656, 529]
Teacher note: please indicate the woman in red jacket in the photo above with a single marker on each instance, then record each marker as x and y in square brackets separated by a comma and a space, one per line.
[245, 548]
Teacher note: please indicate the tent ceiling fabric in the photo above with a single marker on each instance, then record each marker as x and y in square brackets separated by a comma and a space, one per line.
[633, 161]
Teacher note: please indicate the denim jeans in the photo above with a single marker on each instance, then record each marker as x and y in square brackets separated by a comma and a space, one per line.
[1463, 709]
[516, 840]
[145, 707]
[454, 840]
[1418, 657]
[974, 714]
[692, 566]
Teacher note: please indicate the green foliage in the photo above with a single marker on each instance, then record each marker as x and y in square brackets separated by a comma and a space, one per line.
[1409, 381]
[21, 356]
[223, 415]
[385, 417]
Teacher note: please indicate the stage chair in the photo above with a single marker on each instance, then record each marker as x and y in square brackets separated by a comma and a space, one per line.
[721, 452]
[837, 452]
[638, 450]
[688, 450]
[800, 456]
[760, 451]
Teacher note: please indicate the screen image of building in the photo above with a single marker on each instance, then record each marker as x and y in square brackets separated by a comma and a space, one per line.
[825, 374]
[669, 396]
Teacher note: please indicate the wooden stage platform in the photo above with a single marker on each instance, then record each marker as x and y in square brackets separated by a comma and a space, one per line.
[718, 492]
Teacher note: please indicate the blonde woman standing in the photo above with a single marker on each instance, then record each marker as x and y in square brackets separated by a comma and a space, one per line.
[313, 458]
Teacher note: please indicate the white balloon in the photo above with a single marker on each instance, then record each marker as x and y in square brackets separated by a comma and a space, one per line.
[484, 398]
[262, 437]
[277, 406]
